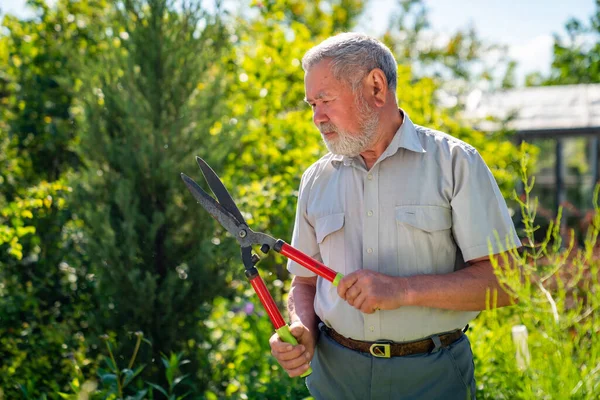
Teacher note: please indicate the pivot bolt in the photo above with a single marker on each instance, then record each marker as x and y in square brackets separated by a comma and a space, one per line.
[243, 233]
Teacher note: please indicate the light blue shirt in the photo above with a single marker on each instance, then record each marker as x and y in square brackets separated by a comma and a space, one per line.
[427, 204]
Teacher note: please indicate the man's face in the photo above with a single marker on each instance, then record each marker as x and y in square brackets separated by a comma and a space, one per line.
[348, 124]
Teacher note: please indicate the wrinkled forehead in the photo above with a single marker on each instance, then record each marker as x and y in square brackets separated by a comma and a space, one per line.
[319, 71]
[319, 81]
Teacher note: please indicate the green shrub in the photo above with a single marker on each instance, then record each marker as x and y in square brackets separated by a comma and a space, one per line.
[120, 379]
[241, 363]
[556, 286]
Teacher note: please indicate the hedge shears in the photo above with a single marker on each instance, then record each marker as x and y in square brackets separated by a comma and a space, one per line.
[226, 212]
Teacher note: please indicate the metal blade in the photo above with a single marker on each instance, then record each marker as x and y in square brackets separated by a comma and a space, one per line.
[219, 190]
[222, 215]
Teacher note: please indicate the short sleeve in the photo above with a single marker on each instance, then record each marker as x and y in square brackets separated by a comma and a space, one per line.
[479, 212]
[304, 236]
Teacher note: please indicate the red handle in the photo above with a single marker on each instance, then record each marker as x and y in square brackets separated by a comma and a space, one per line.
[309, 263]
[267, 301]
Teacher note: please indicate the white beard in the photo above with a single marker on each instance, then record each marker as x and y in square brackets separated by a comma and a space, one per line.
[352, 144]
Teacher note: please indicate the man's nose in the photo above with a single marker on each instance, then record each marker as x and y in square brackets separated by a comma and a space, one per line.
[319, 116]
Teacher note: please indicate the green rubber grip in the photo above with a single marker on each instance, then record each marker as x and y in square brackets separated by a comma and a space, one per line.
[337, 279]
[285, 335]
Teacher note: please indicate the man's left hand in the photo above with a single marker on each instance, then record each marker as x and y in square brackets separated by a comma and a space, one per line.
[369, 291]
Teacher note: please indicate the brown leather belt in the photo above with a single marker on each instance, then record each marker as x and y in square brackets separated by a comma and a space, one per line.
[390, 349]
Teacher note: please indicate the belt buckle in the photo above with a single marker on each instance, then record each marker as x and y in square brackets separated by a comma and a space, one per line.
[381, 350]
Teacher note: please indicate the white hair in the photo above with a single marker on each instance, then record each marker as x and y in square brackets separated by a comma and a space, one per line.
[353, 55]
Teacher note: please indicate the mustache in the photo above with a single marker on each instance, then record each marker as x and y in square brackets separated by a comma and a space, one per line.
[327, 127]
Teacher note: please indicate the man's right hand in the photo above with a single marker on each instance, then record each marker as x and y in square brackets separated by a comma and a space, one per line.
[294, 359]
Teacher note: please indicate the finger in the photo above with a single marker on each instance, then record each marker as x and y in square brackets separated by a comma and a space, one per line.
[298, 330]
[346, 283]
[352, 301]
[352, 293]
[274, 339]
[297, 362]
[360, 302]
[298, 371]
[279, 345]
[296, 352]
[300, 351]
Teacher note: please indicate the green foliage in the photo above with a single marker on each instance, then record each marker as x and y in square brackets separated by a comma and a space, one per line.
[319, 17]
[269, 122]
[510, 80]
[124, 382]
[576, 56]
[102, 105]
[428, 69]
[43, 299]
[458, 62]
[148, 112]
[241, 361]
[556, 288]
[418, 98]
[45, 284]
[117, 380]
[276, 140]
[41, 84]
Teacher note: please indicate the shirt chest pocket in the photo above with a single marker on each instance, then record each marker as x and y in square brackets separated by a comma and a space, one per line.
[424, 238]
[330, 237]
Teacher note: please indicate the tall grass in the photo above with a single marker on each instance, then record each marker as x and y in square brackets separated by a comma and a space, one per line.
[555, 284]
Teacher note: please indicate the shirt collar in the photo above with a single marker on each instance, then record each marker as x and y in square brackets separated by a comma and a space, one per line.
[406, 137]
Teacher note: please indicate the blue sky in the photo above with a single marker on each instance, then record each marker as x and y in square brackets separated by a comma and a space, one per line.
[526, 27]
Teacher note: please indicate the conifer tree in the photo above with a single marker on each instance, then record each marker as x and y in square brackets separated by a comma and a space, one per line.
[149, 109]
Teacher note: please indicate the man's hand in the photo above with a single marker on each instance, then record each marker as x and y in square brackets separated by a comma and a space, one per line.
[369, 291]
[294, 359]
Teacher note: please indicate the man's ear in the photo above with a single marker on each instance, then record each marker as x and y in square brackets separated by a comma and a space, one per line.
[377, 86]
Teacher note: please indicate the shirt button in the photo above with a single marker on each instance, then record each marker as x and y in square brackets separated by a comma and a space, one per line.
[370, 213]
[371, 328]
[370, 176]
[369, 250]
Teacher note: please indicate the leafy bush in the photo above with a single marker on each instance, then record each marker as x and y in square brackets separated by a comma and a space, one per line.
[241, 363]
[44, 300]
[118, 381]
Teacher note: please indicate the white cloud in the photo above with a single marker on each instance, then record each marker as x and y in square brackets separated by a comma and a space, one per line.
[532, 55]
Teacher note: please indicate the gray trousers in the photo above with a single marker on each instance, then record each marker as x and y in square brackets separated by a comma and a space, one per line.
[340, 373]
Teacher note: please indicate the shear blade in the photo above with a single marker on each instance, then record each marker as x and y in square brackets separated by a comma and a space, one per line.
[219, 190]
[215, 209]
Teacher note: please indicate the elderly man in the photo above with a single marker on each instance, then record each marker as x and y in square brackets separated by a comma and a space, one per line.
[408, 214]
